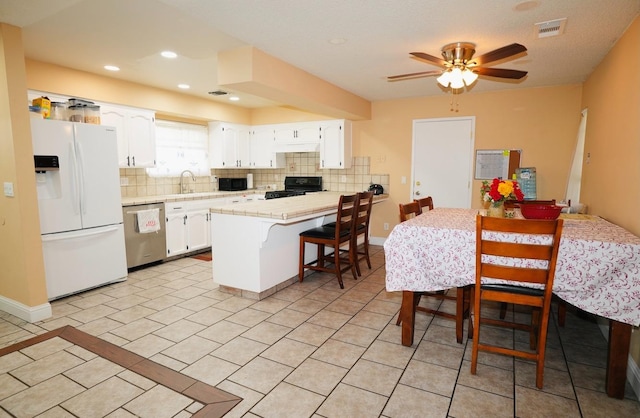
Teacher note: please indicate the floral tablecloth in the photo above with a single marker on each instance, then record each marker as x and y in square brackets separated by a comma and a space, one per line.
[598, 268]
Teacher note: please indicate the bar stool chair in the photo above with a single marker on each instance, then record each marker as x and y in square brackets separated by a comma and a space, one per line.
[363, 216]
[407, 211]
[334, 237]
[515, 264]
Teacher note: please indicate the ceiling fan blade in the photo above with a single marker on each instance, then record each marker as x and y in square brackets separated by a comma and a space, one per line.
[413, 75]
[500, 72]
[429, 58]
[500, 53]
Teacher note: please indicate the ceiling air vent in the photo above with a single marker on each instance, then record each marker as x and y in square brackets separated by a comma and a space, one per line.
[218, 93]
[550, 28]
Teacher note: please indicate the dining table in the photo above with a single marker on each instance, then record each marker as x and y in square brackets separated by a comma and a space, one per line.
[597, 270]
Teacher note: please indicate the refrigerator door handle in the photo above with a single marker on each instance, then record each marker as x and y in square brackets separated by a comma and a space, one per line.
[83, 192]
[79, 234]
[73, 167]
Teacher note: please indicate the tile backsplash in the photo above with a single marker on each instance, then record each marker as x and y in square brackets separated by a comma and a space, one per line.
[134, 182]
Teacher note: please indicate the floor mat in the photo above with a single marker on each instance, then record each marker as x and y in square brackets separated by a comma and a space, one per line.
[203, 256]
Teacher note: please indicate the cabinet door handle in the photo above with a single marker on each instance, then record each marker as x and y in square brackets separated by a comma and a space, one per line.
[184, 220]
[128, 161]
[134, 160]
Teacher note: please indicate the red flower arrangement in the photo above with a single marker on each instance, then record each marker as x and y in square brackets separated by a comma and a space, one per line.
[498, 191]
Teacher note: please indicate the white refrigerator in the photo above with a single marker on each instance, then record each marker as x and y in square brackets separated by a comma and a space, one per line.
[78, 185]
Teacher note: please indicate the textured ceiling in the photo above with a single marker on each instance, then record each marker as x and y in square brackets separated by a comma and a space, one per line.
[378, 34]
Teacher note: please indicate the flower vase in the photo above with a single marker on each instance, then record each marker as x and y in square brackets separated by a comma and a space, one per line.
[496, 210]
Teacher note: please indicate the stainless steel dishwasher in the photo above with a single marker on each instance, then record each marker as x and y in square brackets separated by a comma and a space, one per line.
[148, 247]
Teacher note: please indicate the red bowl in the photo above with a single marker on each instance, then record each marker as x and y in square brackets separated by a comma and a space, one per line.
[534, 211]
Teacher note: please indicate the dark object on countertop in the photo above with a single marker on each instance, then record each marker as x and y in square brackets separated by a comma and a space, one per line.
[376, 189]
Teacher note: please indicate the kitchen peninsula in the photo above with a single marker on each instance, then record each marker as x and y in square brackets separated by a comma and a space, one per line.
[255, 245]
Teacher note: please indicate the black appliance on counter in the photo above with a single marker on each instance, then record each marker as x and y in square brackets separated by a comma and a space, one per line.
[226, 184]
[376, 189]
[296, 186]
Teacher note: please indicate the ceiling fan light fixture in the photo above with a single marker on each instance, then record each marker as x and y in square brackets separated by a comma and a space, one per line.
[445, 78]
[469, 77]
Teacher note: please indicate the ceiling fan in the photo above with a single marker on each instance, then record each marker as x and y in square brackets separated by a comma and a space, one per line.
[460, 68]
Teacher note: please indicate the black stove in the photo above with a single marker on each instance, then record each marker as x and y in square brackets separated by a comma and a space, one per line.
[296, 186]
[277, 194]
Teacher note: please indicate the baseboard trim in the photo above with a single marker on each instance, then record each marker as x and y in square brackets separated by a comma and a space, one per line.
[377, 240]
[27, 313]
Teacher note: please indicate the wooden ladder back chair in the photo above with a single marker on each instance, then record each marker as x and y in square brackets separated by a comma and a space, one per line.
[562, 306]
[425, 202]
[334, 237]
[362, 218]
[409, 210]
[461, 298]
[520, 264]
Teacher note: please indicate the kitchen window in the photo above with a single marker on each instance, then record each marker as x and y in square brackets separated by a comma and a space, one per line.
[179, 147]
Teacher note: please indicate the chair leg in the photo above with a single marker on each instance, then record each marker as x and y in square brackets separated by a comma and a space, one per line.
[336, 260]
[535, 325]
[353, 252]
[503, 310]
[301, 263]
[353, 260]
[562, 312]
[366, 250]
[459, 314]
[476, 330]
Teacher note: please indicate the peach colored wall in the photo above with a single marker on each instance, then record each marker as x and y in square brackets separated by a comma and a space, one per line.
[611, 178]
[269, 115]
[543, 122]
[22, 273]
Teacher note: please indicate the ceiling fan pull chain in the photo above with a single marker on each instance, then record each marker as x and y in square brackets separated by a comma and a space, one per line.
[452, 107]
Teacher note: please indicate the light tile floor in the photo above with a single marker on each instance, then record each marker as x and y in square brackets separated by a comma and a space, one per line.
[311, 350]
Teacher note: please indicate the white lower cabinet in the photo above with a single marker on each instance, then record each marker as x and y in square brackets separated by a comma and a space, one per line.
[187, 224]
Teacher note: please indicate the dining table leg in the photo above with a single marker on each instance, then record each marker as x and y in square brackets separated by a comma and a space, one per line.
[408, 316]
[618, 353]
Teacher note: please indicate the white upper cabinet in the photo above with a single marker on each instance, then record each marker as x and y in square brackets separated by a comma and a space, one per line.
[136, 132]
[300, 132]
[229, 145]
[335, 144]
[261, 149]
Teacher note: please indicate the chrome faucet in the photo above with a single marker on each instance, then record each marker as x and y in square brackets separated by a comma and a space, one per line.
[182, 185]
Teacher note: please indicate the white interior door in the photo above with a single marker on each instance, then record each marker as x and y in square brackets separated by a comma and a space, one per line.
[443, 161]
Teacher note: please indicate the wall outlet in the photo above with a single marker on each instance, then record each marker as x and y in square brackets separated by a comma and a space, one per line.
[8, 189]
[386, 226]
[124, 181]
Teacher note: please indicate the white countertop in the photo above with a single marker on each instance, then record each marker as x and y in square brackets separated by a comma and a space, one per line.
[295, 207]
[144, 200]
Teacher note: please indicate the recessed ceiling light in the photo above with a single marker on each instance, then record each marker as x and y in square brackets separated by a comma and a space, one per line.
[184, 86]
[168, 54]
[337, 41]
[234, 98]
[111, 68]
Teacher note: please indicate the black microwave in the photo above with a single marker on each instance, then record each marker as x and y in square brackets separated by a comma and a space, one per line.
[232, 185]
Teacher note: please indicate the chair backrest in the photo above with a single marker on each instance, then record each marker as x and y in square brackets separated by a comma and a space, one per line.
[425, 202]
[345, 218]
[520, 262]
[363, 215]
[409, 210]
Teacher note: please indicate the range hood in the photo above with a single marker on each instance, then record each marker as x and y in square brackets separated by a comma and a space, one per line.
[296, 147]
